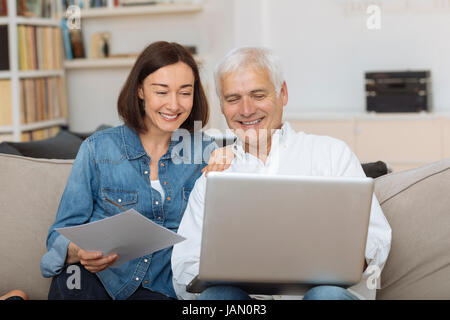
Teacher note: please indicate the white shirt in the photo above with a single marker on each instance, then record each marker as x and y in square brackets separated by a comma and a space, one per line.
[291, 153]
[158, 187]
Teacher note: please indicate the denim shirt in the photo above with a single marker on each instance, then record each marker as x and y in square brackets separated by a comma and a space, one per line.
[112, 164]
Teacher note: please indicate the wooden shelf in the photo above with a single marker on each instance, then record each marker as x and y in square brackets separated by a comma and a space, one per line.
[141, 10]
[106, 63]
[42, 124]
[40, 73]
[38, 21]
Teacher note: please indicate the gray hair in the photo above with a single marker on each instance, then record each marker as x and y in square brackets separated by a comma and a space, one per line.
[258, 57]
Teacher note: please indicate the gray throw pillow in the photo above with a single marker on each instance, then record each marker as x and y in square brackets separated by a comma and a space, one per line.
[63, 146]
[8, 149]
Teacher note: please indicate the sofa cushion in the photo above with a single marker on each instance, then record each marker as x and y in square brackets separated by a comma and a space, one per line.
[8, 149]
[30, 191]
[84, 135]
[62, 146]
[417, 205]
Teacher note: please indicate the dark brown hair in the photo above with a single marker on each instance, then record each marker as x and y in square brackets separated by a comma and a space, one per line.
[155, 56]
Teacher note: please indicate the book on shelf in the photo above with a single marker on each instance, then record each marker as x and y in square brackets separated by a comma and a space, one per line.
[5, 103]
[42, 99]
[3, 8]
[76, 43]
[137, 2]
[89, 4]
[36, 8]
[39, 134]
[86, 4]
[4, 48]
[40, 48]
[66, 40]
[73, 42]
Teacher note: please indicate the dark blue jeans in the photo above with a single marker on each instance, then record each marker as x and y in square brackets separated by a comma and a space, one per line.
[316, 293]
[91, 288]
[14, 298]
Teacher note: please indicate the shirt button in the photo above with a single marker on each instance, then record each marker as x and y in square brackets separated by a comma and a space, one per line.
[145, 172]
[165, 182]
[119, 200]
[145, 260]
[156, 202]
[146, 281]
[137, 279]
[168, 198]
[162, 164]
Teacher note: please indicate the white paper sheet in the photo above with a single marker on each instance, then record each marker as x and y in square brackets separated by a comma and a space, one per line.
[129, 234]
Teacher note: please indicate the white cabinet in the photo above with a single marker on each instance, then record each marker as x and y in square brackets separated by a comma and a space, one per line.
[403, 141]
[342, 129]
[446, 137]
[399, 141]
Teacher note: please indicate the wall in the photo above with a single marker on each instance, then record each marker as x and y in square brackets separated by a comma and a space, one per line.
[92, 93]
[326, 48]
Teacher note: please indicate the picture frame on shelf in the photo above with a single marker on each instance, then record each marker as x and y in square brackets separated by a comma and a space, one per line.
[100, 45]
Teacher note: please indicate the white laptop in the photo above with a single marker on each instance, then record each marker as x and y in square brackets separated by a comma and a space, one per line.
[279, 234]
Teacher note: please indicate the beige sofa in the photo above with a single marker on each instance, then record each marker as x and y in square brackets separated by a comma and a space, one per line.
[416, 203]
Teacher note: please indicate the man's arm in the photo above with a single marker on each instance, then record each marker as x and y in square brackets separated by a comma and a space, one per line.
[379, 233]
[186, 254]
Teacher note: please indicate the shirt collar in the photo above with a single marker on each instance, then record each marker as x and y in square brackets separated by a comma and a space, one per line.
[279, 137]
[134, 148]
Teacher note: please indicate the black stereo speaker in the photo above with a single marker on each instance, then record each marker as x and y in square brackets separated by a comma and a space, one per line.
[407, 91]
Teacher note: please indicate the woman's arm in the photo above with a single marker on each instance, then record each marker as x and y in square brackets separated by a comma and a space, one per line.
[75, 208]
[220, 160]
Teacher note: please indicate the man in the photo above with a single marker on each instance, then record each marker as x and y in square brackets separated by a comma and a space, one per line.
[253, 93]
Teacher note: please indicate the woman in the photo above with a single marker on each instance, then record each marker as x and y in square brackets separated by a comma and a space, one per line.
[137, 165]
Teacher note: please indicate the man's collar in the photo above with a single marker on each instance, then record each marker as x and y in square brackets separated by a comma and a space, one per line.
[280, 136]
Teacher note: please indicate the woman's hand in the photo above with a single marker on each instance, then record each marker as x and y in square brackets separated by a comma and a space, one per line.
[93, 261]
[220, 160]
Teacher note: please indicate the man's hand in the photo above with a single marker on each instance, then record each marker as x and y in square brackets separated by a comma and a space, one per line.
[93, 261]
[220, 160]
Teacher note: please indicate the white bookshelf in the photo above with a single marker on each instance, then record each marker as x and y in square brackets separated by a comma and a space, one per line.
[126, 11]
[40, 73]
[14, 74]
[99, 63]
[43, 124]
[88, 74]
[107, 63]
[38, 21]
[6, 129]
[5, 75]
[162, 8]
